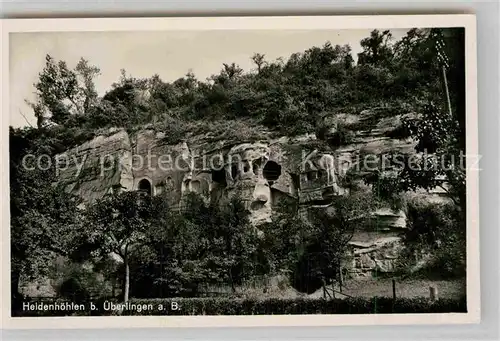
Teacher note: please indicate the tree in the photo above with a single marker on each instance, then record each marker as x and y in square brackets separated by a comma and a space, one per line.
[62, 92]
[435, 229]
[259, 60]
[127, 91]
[117, 224]
[377, 49]
[312, 244]
[282, 235]
[325, 246]
[238, 241]
[228, 240]
[44, 219]
[231, 71]
[439, 135]
[202, 245]
[157, 266]
[87, 74]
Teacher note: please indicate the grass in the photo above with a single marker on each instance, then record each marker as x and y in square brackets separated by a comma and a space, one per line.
[239, 130]
[371, 287]
[408, 288]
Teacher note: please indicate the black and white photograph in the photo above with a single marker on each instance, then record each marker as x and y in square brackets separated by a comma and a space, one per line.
[254, 172]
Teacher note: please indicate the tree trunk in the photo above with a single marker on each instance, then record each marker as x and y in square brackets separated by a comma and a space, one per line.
[324, 287]
[127, 280]
[231, 280]
[341, 279]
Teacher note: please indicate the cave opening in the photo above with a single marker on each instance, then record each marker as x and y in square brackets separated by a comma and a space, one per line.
[272, 171]
[234, 171]
[257, 205]
[295, 184]
[246, 166]
[195, 186]
[219, 176]
[311, 175]
[144, 186]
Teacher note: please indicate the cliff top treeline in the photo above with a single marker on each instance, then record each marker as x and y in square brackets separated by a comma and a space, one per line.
[291, 96]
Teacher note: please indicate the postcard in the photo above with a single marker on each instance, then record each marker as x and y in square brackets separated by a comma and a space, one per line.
[240, 171]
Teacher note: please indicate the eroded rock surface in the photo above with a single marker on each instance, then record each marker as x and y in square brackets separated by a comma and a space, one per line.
[262, 173]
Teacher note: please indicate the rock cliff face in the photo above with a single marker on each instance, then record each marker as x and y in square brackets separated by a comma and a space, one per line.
[262, 172]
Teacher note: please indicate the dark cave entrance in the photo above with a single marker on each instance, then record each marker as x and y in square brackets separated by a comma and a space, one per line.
[144, 186]
[219, 176]
[271, 171]
[234, 171]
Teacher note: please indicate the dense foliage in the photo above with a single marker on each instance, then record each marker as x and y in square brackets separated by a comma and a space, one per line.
[272, 306]
[311, 245]
[439, 129]
[277, 306]
[437, 236]
[290, 95]
[45, 220]
[202, 245]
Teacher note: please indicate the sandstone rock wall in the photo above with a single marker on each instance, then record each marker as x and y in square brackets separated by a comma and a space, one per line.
[262, 172]
[98, 166]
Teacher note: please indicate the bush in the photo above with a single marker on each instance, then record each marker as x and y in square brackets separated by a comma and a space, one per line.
[78, 282]
[269, 306]
[286, 306]
[432, 222]
[74, 290]
[341, 137]
[437, 231]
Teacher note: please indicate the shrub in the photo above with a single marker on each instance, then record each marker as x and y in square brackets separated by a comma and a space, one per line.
[286, 306]
[268, 306]
[73, 289]
[79, 281]
[400, 132]
[436, 229]
[342, 136]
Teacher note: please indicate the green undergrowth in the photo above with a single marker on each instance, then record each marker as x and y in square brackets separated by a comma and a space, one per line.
[268, 306]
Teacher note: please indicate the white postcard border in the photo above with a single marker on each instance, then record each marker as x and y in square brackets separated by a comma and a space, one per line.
[251, 23]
